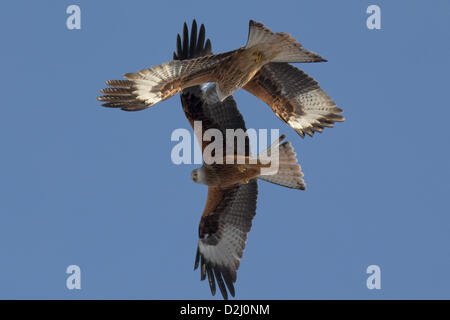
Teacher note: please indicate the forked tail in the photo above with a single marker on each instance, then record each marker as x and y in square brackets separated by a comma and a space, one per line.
[289, 172]
[290, 49]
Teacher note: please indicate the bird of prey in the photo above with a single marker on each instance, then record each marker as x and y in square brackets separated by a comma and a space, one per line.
[232, 189]
[260, 67]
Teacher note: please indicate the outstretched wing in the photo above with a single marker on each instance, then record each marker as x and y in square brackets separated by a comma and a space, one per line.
[146, 87]
[205, 106]
[295, 97]
[223, 229]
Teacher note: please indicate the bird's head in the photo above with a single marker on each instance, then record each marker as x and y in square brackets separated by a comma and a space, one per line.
[197, 175]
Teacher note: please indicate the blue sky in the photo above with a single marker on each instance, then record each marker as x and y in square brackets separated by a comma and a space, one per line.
[84, 185]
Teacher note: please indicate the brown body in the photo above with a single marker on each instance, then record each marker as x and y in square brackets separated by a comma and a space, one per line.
[242, 66]
[226, 175]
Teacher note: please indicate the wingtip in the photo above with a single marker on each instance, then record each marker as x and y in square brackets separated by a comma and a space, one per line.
[208, 47]
[253, 23]
[202, 28]
[300, 133]
[130, 75]
[197, 259]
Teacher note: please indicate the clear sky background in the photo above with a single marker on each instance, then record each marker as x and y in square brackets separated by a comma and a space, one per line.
[95, 187]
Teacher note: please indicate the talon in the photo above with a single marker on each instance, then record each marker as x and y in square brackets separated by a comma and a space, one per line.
[241, 168]
[245, 181]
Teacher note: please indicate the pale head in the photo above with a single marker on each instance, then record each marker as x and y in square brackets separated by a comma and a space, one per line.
[198, 175]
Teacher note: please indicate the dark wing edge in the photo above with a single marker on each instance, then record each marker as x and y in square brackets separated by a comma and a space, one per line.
[223, 233]
[196, 47]
[295, 97]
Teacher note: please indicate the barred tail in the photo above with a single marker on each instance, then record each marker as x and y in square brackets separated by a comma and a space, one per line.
[291, 50]
[289, 172]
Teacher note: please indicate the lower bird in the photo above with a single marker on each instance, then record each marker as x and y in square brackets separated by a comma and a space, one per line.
[260, 67]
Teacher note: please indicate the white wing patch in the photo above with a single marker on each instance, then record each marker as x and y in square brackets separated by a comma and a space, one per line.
[228, 251]
[316, 105]
[149, 82]
[303, 122]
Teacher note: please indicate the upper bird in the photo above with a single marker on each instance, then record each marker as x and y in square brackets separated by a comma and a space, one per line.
[260, 67]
